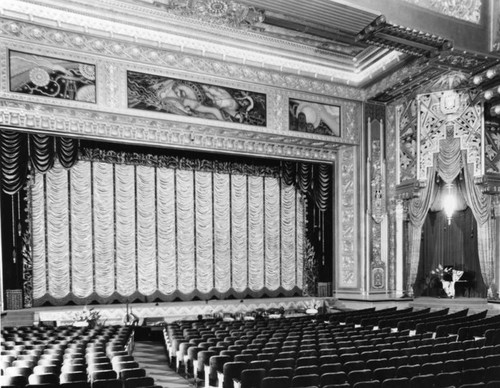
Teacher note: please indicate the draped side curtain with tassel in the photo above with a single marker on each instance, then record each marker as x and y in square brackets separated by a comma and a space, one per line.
[449, 162]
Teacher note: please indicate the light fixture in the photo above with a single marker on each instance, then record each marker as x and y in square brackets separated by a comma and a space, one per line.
[449, 202]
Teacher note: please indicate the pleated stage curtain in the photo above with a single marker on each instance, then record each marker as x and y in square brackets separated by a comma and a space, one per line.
[104, 231]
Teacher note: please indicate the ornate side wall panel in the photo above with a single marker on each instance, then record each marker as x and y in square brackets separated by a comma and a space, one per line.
[377, 198]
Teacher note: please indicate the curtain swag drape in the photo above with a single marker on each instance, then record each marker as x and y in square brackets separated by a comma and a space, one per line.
[20, 151]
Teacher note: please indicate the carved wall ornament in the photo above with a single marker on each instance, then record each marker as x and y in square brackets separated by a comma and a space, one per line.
[225, 12]
[447, 115]
[348, 266]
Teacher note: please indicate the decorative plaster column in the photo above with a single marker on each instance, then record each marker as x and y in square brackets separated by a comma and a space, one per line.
[399, 248]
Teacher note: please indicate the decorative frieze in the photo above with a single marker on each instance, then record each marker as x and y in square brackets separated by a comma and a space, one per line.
[125, 128]
[166, 55]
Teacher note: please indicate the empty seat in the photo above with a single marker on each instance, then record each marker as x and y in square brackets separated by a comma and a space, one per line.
[68, 377]
[305, 380]
[333, 378]
[276, 382]
[396, 382]
[133, 372]
[251, 378]
[112, 383]
[136, 382]
[357, 376]
[230, 371]
[14, 381]
[447, 379]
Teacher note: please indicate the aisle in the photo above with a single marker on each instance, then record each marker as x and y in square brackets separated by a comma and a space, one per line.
[151, 356]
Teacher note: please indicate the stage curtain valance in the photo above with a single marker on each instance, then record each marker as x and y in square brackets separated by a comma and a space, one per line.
[314, 180]
[20, 151]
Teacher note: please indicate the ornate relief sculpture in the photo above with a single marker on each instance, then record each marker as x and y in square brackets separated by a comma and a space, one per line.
[225, 12]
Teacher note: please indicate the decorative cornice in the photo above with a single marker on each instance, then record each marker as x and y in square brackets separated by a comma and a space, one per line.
[138, 130]
[19, 31]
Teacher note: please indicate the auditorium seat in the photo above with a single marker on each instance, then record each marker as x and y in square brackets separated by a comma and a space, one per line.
[215, 368]
[107, 374]
[75, 384]
[251, 378]
[333, 378]
[471, 376]
[259, 364]
[407, 371]
[329, 368]
[16, 381]
[18, 371]
[282, 371]
[47, 378]
[69, 368]
[306, 370]
[306, 380]
[447, 379]
[132, 372]
[359, 375]
[276, 382]
[283, 362]
[396, 382]
[113, 383]
[431, 368]
[230, 371]
[67, 377]
[138, 382]
[368, 384]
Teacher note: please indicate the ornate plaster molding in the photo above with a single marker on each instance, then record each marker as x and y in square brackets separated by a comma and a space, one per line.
[139, 130]
[33, 36]
[160, 30]
[348, 266]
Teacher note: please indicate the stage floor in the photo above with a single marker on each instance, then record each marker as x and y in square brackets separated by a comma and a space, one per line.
[161, 312]
[158, 313]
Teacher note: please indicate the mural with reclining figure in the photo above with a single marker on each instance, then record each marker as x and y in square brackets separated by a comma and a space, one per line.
[194, 99]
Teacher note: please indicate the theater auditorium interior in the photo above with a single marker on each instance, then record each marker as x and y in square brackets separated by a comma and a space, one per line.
[250, 194]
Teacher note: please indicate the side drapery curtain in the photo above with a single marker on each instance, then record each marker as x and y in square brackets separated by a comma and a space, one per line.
[417, 209]
[480, 205]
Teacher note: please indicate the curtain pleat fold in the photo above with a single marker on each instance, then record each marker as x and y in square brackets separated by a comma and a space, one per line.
[125, 221]
[81, 230]
[146, 230]
[222, 233]
[239, 232]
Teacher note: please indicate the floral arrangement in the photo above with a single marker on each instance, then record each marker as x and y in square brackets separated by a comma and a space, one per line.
[90, 316]
[438, 272]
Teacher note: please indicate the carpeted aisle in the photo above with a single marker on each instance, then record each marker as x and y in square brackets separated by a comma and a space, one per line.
[151, 356]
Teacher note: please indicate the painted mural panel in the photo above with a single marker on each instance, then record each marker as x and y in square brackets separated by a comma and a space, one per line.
[52, 77]
[312, 117]
[189, 98]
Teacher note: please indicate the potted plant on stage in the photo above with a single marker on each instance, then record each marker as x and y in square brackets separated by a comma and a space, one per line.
[86, 318]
